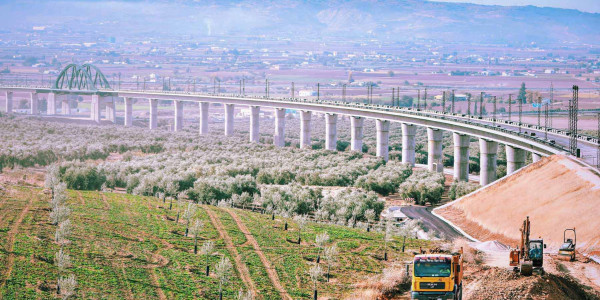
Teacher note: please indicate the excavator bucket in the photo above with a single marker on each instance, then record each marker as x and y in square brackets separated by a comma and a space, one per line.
[526, 268]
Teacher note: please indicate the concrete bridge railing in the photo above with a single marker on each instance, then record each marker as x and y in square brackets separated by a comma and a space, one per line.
[489, 131]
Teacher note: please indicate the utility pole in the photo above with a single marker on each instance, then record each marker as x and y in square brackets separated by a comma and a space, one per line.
[393, 96]
[520, 112]
[598, 150]
[398, 96]
[344, 92]
[266, 88]
[573, 111]
[481, 105]
[240, 86]
[318, 91]
[453, 101]
[494, 112]
[539, 112]
[194, 85]
[551, 100]
[293, 90]
[243, 86]
[444, 102]
[509, 106]
[119, 80]
[546, 120]
[144, 83]
[425, 100]
[469, 105]
[137, 82]
[418, 99]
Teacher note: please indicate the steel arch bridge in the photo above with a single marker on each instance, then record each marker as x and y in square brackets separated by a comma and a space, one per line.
[84, 77]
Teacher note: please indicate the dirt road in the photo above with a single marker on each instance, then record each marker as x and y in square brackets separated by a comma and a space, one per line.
[430, 221]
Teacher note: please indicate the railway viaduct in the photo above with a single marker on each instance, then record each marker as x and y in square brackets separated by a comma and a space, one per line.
[518, 138]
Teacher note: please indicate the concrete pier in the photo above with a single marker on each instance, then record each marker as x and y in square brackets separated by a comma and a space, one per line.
[178, 122]
[356, 133]
[153, 114]
[305, 128]
[488, 161]
[408, 143]
[204, 117]
[515, 159]
[535, 157]
[8, 105]
[331, 131]
[383, 138]
[65, 108]
[461, 156]
[51, 104]
[95, 109]
[279, 137]
[229, 111]
[33, 104]
[434, 150]
[254, 124]
[128, 111]
[111, 112]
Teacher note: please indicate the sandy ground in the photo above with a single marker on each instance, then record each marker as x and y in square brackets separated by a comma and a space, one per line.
[556, 193]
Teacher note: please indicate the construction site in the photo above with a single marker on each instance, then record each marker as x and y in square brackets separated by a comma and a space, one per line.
[533, 235]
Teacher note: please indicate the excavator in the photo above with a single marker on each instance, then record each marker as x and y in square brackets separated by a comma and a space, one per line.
[530, 254]
[567, 250]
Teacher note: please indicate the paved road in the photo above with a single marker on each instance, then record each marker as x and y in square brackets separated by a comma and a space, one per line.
[430, 221]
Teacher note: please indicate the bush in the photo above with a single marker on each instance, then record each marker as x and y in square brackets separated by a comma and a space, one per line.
[80, 176]
[461, 188]
[423, 186]
[386, 179]
[348, 207]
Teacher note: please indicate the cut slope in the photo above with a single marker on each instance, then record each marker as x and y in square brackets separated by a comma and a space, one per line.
[556, 193]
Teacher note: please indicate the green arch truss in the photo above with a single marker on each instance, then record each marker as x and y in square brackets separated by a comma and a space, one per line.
[81, 77]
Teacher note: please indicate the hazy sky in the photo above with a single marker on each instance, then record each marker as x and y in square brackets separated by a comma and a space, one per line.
[583, 5]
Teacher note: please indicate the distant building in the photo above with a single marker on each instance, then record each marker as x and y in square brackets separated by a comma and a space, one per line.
[307, 93]
[394, 213]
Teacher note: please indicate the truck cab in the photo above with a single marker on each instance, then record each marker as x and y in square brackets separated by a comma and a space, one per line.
[437, 276]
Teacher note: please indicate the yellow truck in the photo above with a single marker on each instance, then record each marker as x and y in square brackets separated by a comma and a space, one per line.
[437, 276]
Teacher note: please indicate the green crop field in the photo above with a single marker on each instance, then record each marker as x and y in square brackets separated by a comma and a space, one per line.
[125, 246]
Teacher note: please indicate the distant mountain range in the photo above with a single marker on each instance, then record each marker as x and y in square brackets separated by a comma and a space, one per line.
[399, 20]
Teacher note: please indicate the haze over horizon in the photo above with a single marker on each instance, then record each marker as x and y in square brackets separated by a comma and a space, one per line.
[591, 6]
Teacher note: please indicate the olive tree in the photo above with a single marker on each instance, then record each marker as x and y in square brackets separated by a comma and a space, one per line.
[301, 220]
[195, 231]
[320, 240]
[315, 272]
[223, 271]
[206, 250]
[189, 212]
[67, 286]
[330, 254]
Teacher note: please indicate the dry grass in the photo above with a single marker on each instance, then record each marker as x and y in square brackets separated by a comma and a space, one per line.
[393, 281]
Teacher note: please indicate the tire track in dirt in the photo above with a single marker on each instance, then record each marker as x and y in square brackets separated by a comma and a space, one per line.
[81, 199]
[106, 204]
[159, 291]
[271, 272]
[239, 265]
[11, 242]
[123, 278]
